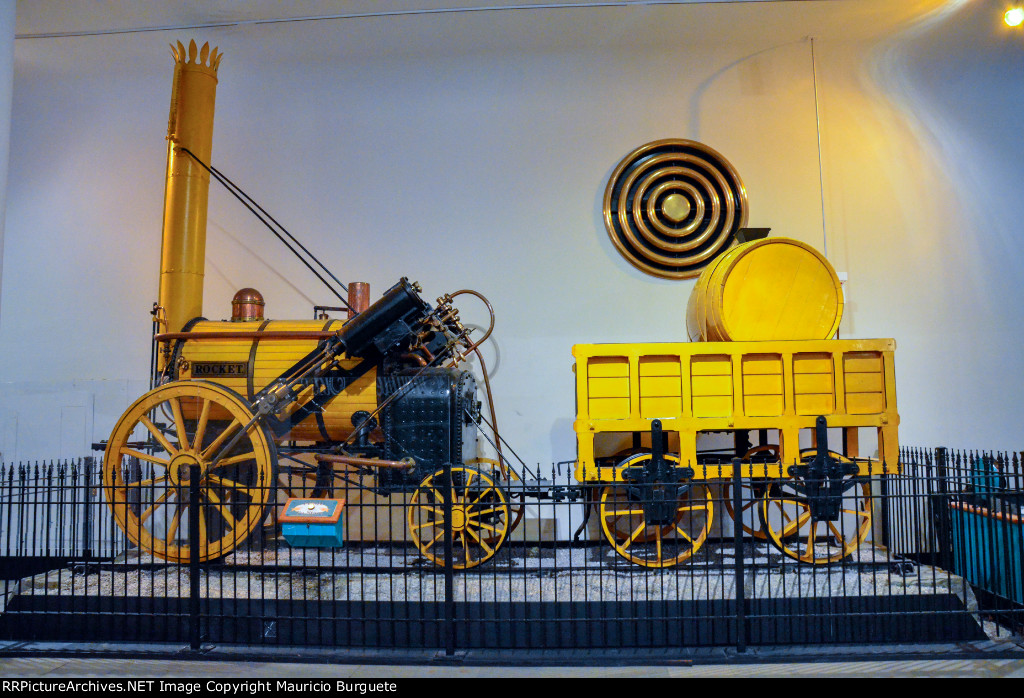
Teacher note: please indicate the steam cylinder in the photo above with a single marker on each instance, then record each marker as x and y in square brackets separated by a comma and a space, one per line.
[770, 289]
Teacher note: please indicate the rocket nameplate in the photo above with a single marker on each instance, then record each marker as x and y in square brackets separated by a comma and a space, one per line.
[206, 369]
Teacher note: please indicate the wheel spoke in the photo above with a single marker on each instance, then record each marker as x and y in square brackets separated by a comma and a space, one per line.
[204, 417]
[840, 538]
[179, 421]
[202, 525]
[803, 519]
[158, 435]
[219, 441]
[684, 534]
[172, 528]
[489, 489]
[623, 512]
[144, 456]
[865, 514]
[695, 507]
[146, 483]
[433, 540]
[232, 485]
[635, 535]
[480, 541]
[251, 455]
[162, 499]
[224, 510]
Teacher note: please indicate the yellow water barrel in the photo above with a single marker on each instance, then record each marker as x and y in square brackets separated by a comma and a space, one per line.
[770, 289]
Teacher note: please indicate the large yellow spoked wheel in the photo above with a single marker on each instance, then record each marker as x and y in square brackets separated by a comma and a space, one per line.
[509, 480]
[787, 518]
[480, 517]
[148, 465]
[750, 494]
[655, 545]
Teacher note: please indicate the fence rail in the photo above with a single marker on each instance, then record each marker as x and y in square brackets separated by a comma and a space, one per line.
[931, 554]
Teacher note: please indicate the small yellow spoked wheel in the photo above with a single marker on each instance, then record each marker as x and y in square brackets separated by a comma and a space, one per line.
[480, 517]
[148, 465]
[655, 545]
[507, 478]
[750, 494]
[787, 518]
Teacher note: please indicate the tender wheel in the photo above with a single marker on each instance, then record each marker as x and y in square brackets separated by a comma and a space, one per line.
[750, 494]
[480, 522]
[146, 470]
[653, 545]
[787, 518]
[508, 478]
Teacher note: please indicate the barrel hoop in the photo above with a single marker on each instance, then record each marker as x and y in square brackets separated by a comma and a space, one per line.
[251, 371]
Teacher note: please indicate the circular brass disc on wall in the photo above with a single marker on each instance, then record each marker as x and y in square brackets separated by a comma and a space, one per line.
[671, 206]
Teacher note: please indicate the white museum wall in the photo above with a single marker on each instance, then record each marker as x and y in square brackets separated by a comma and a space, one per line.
[473, 151]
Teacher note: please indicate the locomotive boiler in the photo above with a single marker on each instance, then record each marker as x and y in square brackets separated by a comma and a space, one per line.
[242, 409]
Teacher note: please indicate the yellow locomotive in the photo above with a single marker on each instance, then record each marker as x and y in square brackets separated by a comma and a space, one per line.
[243, 409]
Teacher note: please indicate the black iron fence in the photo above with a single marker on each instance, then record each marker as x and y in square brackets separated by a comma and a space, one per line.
[477, 560]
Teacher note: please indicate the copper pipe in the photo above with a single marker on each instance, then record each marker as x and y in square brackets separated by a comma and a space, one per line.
[490, 310]
[490, 407]
[366, 462]
[358, 298]
[415, 357]
[278, 334]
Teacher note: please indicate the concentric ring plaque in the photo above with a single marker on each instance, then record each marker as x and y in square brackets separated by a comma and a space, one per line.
[671, 206]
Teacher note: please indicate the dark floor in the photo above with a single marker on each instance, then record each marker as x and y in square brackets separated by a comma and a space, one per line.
[27, 660]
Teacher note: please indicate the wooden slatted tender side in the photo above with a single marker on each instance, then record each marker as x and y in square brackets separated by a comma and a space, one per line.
[699, 387]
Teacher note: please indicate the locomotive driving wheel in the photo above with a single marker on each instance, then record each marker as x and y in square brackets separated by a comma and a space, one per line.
[150, 458]
[507, 478]
[793, 526]
[655, 543]
[480, 517]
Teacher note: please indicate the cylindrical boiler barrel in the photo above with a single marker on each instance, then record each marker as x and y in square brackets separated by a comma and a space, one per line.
[771, 289]
[247, 362]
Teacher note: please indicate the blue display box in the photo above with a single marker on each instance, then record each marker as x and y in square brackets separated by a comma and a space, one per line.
[987, 547]
[313, 523]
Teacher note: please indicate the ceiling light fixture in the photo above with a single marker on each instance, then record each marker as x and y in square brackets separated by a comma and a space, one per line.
[1014, 17]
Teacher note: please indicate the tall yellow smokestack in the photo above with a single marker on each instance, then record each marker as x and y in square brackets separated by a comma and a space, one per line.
[190, 125]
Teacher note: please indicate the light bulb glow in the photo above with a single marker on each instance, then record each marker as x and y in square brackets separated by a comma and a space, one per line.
[1014, 17]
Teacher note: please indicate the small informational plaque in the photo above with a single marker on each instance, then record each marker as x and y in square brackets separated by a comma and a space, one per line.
[326, 511]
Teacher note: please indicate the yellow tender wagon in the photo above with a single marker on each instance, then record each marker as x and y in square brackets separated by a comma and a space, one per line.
[641, 407]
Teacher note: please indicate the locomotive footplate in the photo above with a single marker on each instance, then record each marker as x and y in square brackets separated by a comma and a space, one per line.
[824, 478]
[658, 484]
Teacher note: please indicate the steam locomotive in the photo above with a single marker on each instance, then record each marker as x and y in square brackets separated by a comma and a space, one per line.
[243, 409]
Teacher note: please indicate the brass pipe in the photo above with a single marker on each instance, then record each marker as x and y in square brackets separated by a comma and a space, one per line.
[407, 464]
[278, 335]
[187, 186]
